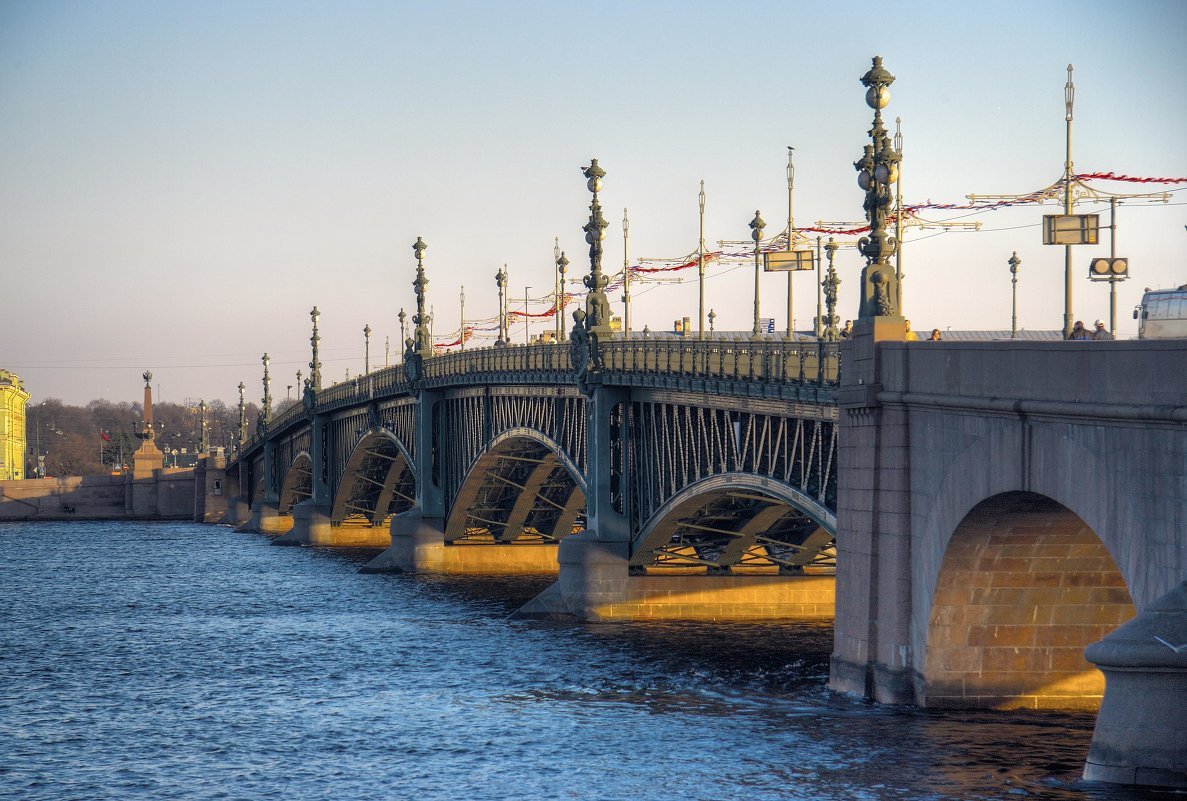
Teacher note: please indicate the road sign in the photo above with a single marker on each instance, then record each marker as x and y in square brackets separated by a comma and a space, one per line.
[766, 325]
[787, 261]
[1070, 229]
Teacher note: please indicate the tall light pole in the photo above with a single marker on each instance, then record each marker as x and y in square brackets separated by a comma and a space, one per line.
[203, 444]
[315, 364]
[526, 319]
[462, 317]
[756, 227]
[626, 277]
[898, 211]
[1069, 99]
[831, 283]
[300, 386]
[701, 267]
[562, 266]
[501, 282]
[790, 238]
[1014, 262]
[367, 349]
[387, 351]
[403, 317]
[556, 294]
[819, 327]
[877, 170]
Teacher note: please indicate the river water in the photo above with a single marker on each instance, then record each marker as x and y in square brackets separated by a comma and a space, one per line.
[180, 661]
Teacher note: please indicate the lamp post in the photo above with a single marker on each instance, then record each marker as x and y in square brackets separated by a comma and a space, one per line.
[203, 445]
[898, 211]
[462, 317]
[315, 364]
[790, 238]
[526, 319]
[403, 324]
[266, 412]
[1069, 99]
[756, 227]
[597, 306]
[501, 282]
[626, 277]
[422, 342]
[831, 283]
[701, 267]
[242, 415]
[1014, 263]
[877, 170]
[562, 266]
[819, 327]
[300, 386]
[367, 349]
[712, 318]
[556, 293]
[288, 392]
[387, 351]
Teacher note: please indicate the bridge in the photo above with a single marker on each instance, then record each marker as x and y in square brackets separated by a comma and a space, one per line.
[973, 514]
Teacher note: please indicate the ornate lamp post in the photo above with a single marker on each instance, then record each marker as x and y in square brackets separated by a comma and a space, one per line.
[819, 327]
[203, 445]
[831, 282]
[300, 386]
[626, 277]
[562, 266]
[557, 318]
[266, 412]
[756, 227]
[315, 363]
[403, 324]
[597, 306]
[421, 342]
[790, 238]
[712, 319]
[1014, 262]
[501, 282]
[367, 349]
[1069, 99]
[527, 321]
[877, 170]
[242, 414]
[898, 212]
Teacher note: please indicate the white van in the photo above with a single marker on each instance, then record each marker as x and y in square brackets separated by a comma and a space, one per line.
[1162, 314]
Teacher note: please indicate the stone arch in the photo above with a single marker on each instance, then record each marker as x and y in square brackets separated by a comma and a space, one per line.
[738, 522]
[1025, 584]
[523, 488]
[298, 483]
[377, 482]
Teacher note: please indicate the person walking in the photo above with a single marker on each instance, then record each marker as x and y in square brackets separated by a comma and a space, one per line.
[935, 335]
[1079, 332]
[1101, 333]
[847, 331]
[911, 335]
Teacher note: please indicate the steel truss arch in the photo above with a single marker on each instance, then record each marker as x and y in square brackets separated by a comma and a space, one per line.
[378, 481]
[522, 487]
[298, 483]
[738, 521]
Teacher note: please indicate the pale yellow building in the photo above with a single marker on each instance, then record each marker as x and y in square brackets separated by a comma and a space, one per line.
[13, 399]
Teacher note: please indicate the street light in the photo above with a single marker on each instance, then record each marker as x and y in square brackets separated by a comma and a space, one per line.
[462, 315]
[501, 282]
[403, 325]
[422, 339]
[1014, 263]
[877, 169]
[315, 363]
[756, 227]
[367, 349]
[597, 306]
[526, 319]
[701, 268]
[626, 277]
[557, 316]
[831, 283]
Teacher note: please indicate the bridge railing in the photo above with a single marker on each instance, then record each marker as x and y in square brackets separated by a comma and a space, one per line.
[806, 362]
[378, 384]
[516, 358]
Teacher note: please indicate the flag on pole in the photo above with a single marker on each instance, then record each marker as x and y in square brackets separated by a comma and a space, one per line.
[103, 434]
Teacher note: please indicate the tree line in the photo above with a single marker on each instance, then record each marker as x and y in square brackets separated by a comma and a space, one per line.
[101, 437]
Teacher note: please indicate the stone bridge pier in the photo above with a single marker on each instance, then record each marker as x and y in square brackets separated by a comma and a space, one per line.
[1002, 506]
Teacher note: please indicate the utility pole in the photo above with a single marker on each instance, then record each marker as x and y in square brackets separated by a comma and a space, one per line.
[626, 277]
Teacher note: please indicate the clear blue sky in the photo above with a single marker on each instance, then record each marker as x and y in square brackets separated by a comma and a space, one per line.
[181, 182]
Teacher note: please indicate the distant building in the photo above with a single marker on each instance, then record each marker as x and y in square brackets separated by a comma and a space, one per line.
[13, 399]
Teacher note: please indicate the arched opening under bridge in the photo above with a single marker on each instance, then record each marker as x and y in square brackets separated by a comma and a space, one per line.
[298, 484]
[1025, 584]
[377, 482]
[738, 523]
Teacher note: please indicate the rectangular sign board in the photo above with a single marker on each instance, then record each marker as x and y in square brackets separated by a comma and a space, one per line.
[787, 260]
[1071, 229]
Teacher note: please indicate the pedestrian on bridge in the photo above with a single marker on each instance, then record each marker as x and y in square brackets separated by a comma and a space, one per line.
[935, 335]
[1101, 333]
[1079, 331]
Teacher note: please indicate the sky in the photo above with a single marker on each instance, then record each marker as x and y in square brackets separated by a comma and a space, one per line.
[180, 183]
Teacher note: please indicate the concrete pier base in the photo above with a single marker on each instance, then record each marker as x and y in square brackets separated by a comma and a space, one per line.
[265, 519]
[417, 545]
[1141, 731]
[311, 526]
[595, 585]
